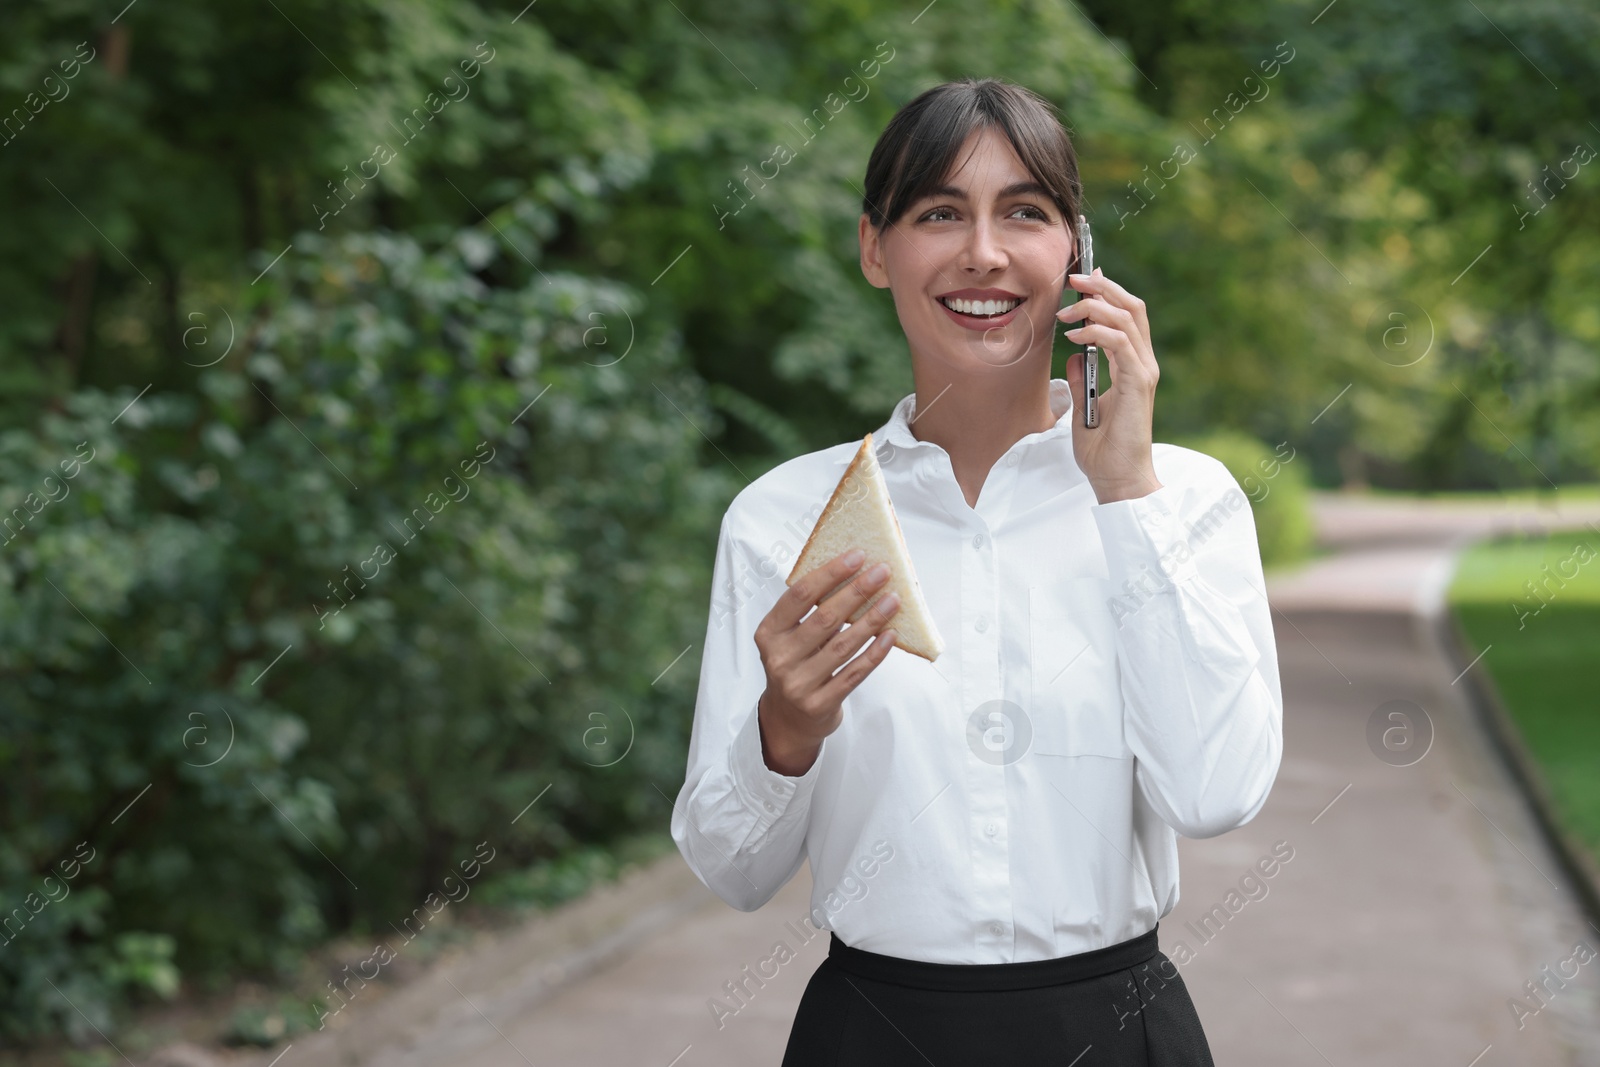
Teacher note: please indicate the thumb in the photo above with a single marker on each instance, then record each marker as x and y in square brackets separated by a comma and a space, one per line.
[1075, 383]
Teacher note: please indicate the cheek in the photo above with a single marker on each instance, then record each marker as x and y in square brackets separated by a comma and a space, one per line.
[1047, 288]
[928, 260]
[913, 289]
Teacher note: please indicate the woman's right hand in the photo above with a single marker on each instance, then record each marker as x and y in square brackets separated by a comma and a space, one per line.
[803, 702]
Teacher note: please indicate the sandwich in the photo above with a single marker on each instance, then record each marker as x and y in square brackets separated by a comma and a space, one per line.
[861, 515]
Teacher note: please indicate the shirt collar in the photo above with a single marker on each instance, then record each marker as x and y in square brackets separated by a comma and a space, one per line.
[897, 434]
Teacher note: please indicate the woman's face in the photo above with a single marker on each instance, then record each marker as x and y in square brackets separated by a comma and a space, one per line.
[990, 234]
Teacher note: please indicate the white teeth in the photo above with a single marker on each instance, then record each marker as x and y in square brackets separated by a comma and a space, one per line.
[980, 307]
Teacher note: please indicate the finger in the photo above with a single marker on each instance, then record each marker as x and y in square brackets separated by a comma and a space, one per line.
[806, 593]
[1103, 288]
[815, 671]
[855, 672]
[1122, 356]
[839, 607]
[1075, 380]
[1109, 291]
[790, 643]
[1101, 311]
[1108, 339]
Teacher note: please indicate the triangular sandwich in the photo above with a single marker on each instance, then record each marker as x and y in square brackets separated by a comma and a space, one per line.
[861, 515]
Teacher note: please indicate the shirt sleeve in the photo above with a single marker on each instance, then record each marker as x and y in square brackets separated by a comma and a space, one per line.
[1203, 708]
[740, 825]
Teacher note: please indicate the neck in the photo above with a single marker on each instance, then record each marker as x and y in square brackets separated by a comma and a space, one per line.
[976, 418]
[985, 414]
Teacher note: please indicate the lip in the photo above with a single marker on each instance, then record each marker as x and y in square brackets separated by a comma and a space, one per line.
[972, 322]
[980, 294]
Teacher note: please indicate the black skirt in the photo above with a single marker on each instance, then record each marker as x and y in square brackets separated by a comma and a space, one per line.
[1122, 1005]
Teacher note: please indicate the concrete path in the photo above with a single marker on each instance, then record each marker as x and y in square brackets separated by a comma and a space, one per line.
[1418, 901]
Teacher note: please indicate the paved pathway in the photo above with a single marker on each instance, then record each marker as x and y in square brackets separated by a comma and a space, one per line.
[1418, 900]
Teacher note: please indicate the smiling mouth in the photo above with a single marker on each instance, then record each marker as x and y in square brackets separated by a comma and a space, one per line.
[982, 309]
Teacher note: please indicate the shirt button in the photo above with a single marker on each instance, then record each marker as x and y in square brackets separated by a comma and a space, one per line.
[770, 806]
[1011, 460]
[981, 625]
[996, 929]
[991, 829]
[977, 542]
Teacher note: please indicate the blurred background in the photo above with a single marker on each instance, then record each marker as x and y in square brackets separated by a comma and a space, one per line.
[375, 377]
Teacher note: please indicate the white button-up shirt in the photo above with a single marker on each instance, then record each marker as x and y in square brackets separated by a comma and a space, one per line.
[1109, 681]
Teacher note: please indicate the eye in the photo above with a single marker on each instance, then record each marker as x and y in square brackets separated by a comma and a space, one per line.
[934, 212]
[1040, 215]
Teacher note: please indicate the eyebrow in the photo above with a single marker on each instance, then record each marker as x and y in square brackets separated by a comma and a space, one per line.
[1014, 189]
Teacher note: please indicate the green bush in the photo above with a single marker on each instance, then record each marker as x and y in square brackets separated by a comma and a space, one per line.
[1276, 485]
[562, 878]
[291, 643]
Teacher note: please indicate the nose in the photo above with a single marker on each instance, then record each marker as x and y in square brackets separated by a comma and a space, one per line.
[982, 252]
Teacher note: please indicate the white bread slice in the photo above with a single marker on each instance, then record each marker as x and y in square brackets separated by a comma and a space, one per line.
[861, 515]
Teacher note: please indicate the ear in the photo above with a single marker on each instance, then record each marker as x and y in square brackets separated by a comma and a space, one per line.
[872, 254]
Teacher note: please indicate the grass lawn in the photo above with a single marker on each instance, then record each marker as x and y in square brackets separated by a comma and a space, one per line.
[1545, 658]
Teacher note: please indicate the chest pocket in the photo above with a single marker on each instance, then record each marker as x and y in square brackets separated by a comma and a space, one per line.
[1074, 696]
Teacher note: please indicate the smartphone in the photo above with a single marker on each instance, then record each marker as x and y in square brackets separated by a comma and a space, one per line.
[1091, 354]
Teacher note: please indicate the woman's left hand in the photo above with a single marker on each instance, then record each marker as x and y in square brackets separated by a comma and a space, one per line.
[1115, 455]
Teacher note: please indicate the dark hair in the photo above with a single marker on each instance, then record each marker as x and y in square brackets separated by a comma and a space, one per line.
[918, 147]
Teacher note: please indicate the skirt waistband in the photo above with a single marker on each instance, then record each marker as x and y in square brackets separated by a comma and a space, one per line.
[987, 977]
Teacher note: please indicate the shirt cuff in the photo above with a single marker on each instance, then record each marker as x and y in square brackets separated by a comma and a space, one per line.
[1146, 541]
[765, 791]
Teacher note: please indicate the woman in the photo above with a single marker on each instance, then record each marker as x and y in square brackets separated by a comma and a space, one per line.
[992, 835]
